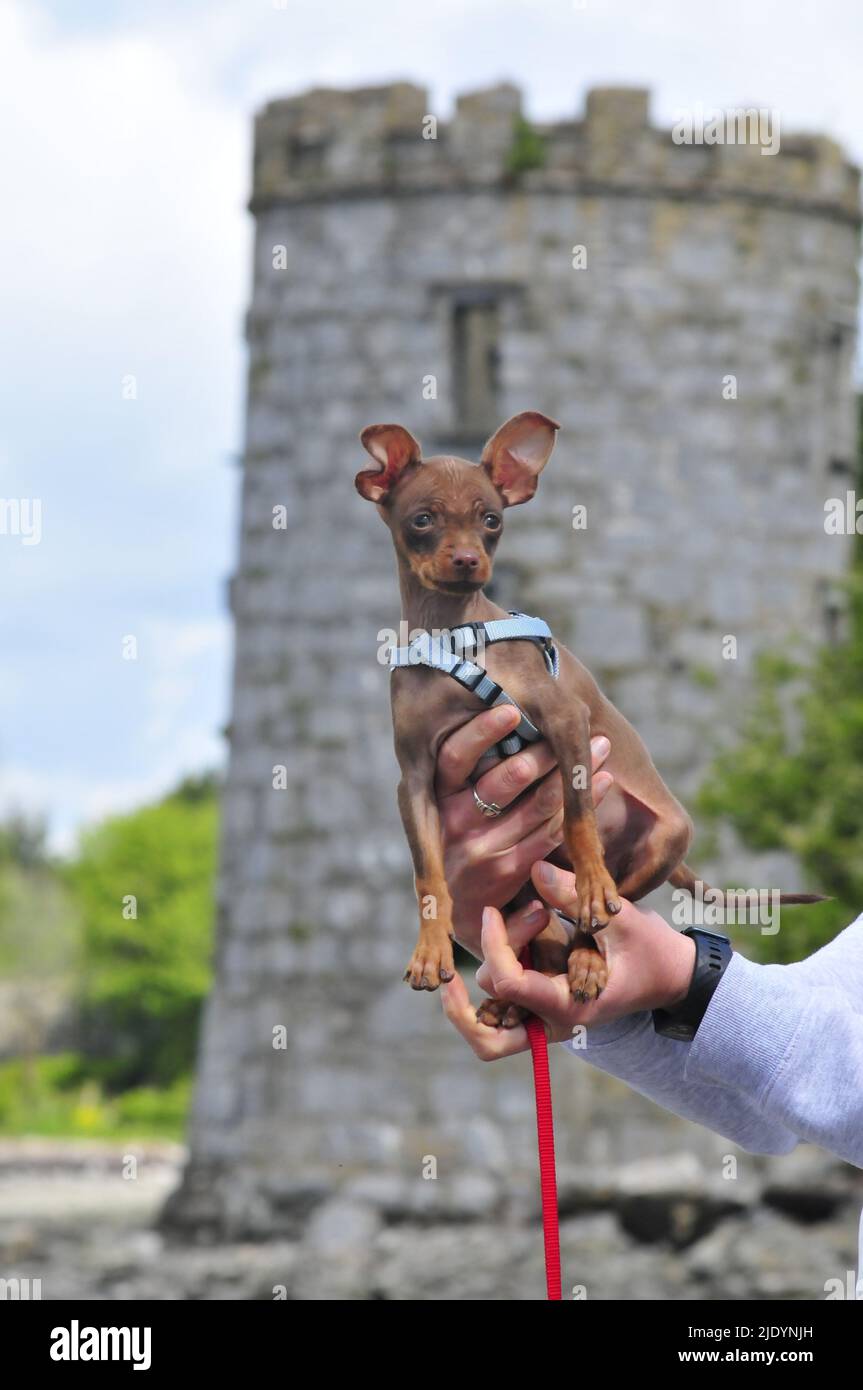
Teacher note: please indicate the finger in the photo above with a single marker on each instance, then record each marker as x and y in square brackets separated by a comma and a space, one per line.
[454, 997]
[483, 979]
[491, 836]
[498, 955]
[548, 997]
[601, 783]
[487, 1043]
[515, 865]
[509, 980]
[507, 781]
[509, 778]
[599, 751]
[460, 753]
[551, 1000]
[557, 886]
[540, 810]
[521, 928]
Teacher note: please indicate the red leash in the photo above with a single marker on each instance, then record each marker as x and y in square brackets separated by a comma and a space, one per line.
[545, 1144]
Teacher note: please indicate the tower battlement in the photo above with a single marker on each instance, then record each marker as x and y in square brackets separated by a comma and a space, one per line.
[386, 140]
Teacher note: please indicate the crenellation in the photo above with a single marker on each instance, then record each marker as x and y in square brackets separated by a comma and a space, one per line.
[482, 131]
[328, 142]
[616, 112]
[617, 141]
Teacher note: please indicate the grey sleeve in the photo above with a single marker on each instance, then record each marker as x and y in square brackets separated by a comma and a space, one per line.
[777, 1058]
[796, 1052]
[656, 1067]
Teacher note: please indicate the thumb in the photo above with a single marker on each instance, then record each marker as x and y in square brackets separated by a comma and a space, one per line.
[498, 955]
[557, 886]
[526, 923]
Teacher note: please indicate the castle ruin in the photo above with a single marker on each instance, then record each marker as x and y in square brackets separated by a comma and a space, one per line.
[687, 312]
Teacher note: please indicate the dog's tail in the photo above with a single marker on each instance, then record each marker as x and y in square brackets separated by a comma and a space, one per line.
[684, 878]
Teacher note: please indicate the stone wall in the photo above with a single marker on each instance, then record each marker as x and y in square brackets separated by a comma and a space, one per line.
[668, 1230]
[704, 518]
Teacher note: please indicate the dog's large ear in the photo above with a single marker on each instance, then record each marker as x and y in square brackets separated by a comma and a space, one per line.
[394, 448]
[516, 454]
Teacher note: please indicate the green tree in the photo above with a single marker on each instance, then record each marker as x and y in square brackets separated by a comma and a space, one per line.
[38, 937]
[143, 884]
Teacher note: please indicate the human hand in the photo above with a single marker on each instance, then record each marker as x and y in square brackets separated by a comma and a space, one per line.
[487, 860]
[650, 967]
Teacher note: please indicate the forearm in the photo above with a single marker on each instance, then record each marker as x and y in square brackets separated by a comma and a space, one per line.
[656, 1067]
[792, 1048]
[777, 1058]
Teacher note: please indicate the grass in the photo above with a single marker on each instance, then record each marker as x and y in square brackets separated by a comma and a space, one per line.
[47, 1097]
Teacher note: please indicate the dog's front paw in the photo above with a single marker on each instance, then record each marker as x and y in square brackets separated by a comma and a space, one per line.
[495, 1013]
[597, 898]
[587, 973]
[432, 962]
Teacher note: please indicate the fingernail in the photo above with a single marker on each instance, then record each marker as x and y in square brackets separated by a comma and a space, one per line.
[503, 714]
[601, 746]
[487, 918]
[547, 872]
[535, 915]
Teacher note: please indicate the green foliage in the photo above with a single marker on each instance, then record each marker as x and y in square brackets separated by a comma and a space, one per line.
[52, 1096]
[143, 885]
[39, 934]
[134, 982]
[38, 930]
[527, 150]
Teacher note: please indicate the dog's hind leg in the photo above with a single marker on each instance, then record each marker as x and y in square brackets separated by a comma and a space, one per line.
[656, 857]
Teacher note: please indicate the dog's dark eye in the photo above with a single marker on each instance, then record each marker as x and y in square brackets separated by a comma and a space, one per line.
[491, 521]
[422, 521]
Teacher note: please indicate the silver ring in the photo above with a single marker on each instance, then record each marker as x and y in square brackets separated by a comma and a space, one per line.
[488, 808]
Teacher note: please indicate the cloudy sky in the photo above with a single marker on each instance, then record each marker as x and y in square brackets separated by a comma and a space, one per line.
[124, 246]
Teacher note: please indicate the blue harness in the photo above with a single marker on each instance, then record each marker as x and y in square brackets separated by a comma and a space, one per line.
[451, 654]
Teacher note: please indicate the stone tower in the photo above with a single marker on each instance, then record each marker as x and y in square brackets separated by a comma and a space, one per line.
[697, 352]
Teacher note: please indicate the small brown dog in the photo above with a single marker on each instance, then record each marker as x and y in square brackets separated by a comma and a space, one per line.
[445, 516]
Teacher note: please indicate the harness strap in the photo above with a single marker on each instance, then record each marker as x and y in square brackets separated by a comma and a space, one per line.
[449, 654]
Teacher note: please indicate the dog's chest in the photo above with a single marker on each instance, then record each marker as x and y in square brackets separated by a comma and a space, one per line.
[430, 705]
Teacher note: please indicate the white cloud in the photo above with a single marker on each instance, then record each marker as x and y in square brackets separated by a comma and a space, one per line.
[124, 236]
[31, 791]
[171, 736]
[176, 652]
[124, 248]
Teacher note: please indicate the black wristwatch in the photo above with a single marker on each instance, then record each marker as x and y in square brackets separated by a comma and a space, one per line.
[712, 956]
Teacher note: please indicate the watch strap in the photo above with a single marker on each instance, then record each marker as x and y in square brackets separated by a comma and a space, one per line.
[713, 954]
